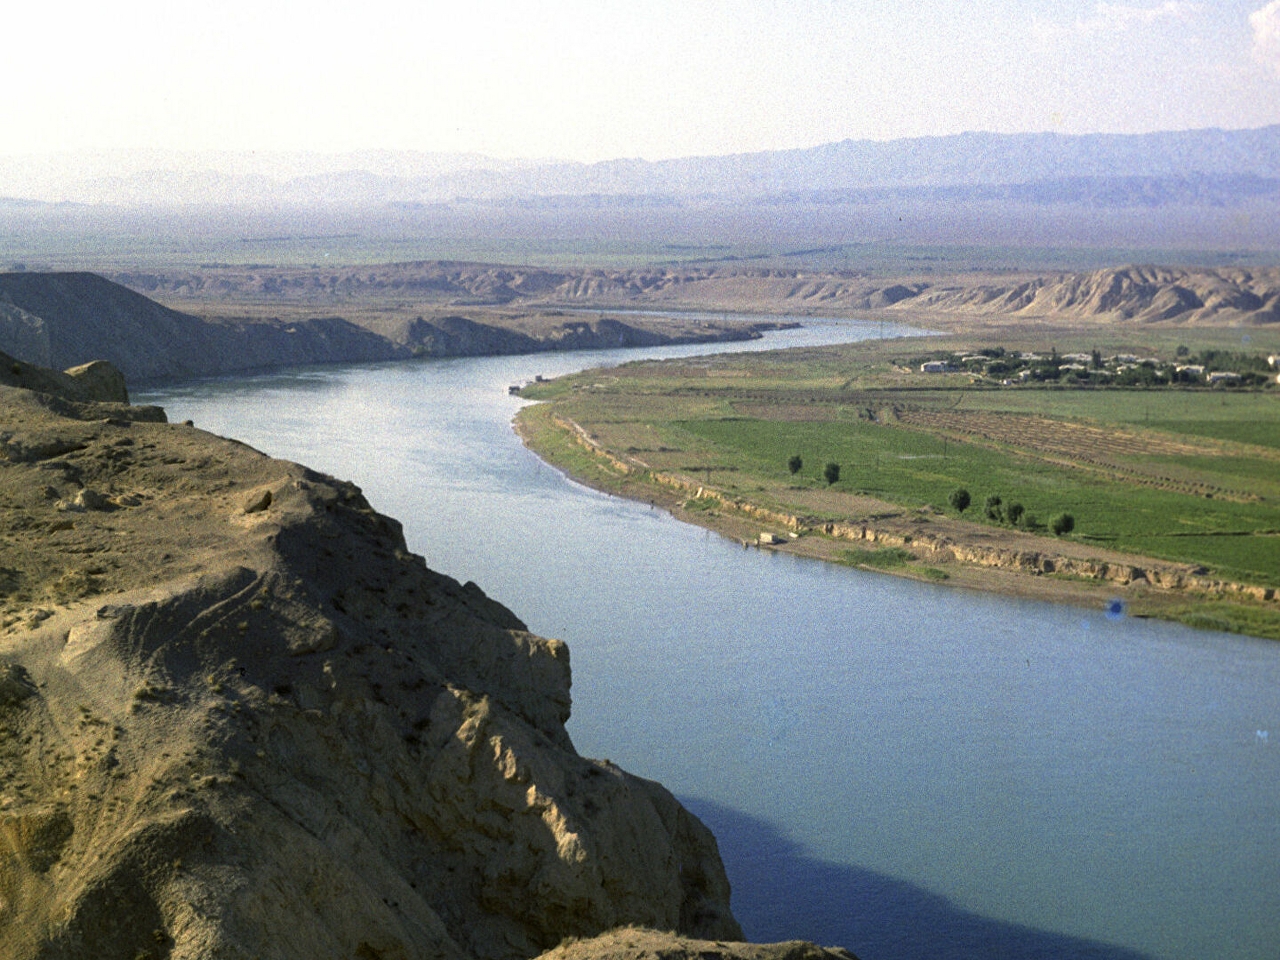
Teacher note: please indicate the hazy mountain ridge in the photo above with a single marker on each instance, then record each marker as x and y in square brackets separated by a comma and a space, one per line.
[962, 159]
[1111, 168]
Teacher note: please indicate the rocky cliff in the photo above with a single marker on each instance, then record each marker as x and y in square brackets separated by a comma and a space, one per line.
[238, 719]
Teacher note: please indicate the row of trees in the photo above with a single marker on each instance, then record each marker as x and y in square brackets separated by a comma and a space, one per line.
[830, 473]
[1013, 513]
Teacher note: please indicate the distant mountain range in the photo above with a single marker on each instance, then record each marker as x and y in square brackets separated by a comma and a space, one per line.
[1197, 167]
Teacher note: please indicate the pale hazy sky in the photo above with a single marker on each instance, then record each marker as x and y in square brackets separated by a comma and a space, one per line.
[599, 79]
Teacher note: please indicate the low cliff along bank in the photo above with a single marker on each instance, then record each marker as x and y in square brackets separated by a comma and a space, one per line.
[238, 719]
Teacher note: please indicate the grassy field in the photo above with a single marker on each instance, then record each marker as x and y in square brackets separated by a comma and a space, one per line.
[1184, 475]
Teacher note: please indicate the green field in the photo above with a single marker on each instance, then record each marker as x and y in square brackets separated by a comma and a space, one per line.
[1190, 475]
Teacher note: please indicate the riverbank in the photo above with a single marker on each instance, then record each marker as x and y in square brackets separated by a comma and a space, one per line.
[714, 456]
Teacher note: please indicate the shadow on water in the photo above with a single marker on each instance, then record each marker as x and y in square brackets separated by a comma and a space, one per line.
[779, 893]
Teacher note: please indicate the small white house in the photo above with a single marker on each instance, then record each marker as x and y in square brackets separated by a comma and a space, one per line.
[1223, 376]
[935, 366]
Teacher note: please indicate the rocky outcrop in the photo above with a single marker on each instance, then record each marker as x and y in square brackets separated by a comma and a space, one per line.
[239, 719]
[100, 381]
[96, 382]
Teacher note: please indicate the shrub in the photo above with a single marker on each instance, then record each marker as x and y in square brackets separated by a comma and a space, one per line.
[831, 473]
[1014, 512]
[959, 499]
[884, 558]
[994, 508]
[1062, 523]
[794, 464]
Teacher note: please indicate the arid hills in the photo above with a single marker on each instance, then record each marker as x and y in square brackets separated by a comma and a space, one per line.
[218, 320]
[65, 319]
[1130, 293]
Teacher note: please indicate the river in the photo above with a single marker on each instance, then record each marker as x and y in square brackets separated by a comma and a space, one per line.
[904, 769]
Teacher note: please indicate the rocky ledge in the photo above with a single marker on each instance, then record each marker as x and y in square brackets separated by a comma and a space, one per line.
[239, 719]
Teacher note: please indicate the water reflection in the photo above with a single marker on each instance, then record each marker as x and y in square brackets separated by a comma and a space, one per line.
[777, 886]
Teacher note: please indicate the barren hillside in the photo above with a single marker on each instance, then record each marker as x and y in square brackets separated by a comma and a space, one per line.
[273, 319]
[1131, 293]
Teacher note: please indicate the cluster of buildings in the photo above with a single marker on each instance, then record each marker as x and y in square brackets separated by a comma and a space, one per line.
[1012, 368]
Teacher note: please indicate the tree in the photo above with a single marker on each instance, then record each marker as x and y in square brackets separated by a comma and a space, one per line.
[794, 464]
[1062, 523]
[831, 473]
[993, 508]
[959, 499]
[1014, 512]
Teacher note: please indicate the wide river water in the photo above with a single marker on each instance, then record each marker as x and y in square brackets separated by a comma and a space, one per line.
[903, 769]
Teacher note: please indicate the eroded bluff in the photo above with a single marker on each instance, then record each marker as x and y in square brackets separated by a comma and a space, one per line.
[239, 719]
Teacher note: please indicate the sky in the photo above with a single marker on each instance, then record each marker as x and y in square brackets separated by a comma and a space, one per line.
[602, 79]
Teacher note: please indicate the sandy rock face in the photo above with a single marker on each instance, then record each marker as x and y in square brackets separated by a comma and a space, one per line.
[239, 719]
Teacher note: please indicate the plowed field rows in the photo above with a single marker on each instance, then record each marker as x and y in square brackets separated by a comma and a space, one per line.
[1117, 454]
